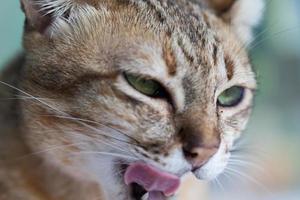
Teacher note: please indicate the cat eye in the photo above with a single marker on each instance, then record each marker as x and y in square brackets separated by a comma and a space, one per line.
[231, 97]
[145, 86]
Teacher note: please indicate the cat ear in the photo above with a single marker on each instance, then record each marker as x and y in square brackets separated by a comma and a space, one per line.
[242, 15]
[35, 18]
[45, 16]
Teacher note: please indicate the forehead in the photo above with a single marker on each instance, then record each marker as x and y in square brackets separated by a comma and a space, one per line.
[205, 42]
[200, 35]
[197, 32]
[197, 48]
[189, 41]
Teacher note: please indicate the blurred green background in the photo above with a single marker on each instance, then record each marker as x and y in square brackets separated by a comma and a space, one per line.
[11, 24]
[276, 57]
[275, 126]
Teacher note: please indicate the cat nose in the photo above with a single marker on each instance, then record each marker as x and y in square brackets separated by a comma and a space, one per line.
[198, 152]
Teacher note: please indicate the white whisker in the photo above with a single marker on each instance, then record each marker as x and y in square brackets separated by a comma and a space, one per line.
[42, 102]
[53, 148]
[243, 163]
[106, 154]
[218, 182]
[247, 177]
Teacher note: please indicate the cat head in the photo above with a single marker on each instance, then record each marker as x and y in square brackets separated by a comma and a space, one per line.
[137, 86]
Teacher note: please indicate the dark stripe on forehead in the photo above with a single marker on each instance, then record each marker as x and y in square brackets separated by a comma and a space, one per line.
[170, 59]
[187, 55]
[215, 54]
[229, 64]
[176, 15]
[154, 5]
[205, 18]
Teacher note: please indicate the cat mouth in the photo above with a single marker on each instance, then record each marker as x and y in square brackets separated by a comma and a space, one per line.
[137, 192]
[146, 182]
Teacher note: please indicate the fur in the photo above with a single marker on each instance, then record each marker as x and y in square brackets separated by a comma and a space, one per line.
[77, 121]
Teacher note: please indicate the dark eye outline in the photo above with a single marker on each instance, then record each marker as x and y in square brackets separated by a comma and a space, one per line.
[161, 92]
[236, 101]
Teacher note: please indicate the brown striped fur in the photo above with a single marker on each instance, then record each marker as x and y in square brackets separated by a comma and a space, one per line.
[73, 63]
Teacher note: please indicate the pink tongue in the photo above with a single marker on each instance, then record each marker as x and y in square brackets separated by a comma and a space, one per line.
[158, 184]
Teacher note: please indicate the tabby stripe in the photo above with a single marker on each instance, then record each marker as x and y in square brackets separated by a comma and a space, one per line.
[229, 64]
[155, 5]
[215, 54]
[170, 59]
[186, 53]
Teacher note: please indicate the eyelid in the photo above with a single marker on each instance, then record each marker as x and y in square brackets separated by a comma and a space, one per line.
[242, 93]
[246, 102]
[167, 95]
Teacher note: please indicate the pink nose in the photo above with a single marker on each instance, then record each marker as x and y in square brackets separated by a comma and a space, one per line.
[198, 156]
[198, 149]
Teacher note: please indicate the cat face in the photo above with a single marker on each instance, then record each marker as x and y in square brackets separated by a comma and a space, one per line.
[121, 87]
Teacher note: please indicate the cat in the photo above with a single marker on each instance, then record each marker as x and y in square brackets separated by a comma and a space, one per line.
[118, 99]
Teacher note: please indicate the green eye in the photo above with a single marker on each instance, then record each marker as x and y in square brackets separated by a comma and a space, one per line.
[146, 86]
[231, 97]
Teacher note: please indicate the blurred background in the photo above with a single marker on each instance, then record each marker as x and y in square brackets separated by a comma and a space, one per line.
[267, 165]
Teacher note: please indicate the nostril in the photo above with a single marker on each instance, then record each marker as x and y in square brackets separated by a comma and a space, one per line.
[190, 155]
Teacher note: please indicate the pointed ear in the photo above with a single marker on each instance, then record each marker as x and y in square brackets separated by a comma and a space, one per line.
[35, 18]
[242, 15]
[46, 15]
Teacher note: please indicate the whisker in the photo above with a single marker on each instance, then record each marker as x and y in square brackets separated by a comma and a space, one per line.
[59, 147]
[243, 163]
[53, 148]
[219, 184]
[67, 115]
[93, 122]
[225, 174]
[276, 34]
[249, 151]
[247, 177]
[106, 154]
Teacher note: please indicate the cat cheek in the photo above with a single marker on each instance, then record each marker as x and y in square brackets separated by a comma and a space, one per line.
[215, 166]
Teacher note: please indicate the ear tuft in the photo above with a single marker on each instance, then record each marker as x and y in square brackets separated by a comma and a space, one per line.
[55, 8]
[244, 16]
[34, 18]
[45, 16]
